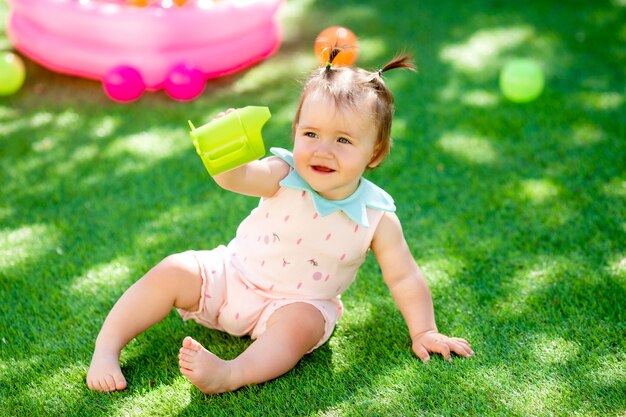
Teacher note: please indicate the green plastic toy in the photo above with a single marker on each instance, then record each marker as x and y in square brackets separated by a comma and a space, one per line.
[231, 141]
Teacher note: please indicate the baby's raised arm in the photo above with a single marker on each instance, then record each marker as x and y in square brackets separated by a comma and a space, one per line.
[256, 178]
[410, 292]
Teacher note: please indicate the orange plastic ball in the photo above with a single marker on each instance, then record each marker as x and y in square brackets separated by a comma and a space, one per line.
[138, 3]
[340, 37]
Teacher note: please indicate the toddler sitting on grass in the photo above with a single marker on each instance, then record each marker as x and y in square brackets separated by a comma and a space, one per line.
[280, 279]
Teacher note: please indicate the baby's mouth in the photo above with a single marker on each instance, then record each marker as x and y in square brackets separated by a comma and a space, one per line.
[322, 169]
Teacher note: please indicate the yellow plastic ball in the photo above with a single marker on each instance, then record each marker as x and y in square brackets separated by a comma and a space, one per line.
[12, 73]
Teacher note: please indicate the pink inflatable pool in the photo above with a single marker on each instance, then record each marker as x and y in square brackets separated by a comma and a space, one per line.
[160, 46]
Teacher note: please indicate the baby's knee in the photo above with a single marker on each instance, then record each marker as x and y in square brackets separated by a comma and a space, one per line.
[307, 318]
[179, 263]
[181, 275]
[312, 318]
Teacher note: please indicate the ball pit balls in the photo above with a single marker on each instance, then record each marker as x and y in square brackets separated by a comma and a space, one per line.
[342, 38]
[12, 73]
[522, 80]
[185, 82]
[123, 84]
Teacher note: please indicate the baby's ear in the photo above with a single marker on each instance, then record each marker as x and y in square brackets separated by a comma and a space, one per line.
[377, 157]
[375, 163]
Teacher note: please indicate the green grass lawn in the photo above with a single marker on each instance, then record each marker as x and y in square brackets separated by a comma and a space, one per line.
[516, 213]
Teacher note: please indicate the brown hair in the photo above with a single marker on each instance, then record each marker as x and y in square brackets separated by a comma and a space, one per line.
[349, 86]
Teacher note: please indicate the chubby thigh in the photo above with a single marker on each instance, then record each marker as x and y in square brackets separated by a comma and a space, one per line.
[330, 310]
[230, 303]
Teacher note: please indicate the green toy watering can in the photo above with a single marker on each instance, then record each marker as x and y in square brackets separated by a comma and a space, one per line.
[232, 140]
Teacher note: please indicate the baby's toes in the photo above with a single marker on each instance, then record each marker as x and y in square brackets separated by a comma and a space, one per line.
[120, 381]
[190, 343]
[109, 383]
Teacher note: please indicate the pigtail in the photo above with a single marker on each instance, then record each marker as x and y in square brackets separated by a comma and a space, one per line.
[334, 51]
[401, 61]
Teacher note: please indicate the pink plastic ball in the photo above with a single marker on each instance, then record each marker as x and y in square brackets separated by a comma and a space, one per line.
[123, 84]
[185, 82]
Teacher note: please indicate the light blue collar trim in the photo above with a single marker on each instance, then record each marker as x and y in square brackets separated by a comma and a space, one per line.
[367, 195]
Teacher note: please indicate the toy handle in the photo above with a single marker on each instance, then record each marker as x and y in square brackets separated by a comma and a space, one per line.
[194, 138]
[229, 152]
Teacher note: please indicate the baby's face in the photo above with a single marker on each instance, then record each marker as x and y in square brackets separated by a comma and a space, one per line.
[333, 145]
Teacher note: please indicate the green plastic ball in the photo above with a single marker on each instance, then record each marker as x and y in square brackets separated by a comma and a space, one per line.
[12, 73]
[522, 80]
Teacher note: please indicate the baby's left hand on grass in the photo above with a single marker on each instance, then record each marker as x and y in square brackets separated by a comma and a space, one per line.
[434, 342]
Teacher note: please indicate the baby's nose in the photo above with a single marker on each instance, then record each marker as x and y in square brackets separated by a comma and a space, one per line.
[323, 150]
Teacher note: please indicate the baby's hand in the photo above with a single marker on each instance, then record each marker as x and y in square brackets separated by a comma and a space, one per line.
[224, 113]
[431, 341]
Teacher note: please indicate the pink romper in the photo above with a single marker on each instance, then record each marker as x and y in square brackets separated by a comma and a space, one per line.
[294, 247]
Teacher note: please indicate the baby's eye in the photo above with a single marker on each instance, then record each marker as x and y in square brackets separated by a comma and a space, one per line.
[344, 140]
[310, 134]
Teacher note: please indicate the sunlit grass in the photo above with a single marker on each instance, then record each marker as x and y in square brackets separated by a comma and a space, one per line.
[470, 148]
[112, 274]
[480, 98]
[587, 134]
[609, 100]
[27, 243]
[539, 191]
[484, 46]
[372, 50]
[553, 351]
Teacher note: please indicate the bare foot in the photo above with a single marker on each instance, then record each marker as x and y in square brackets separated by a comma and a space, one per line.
[105, 373]
[202, 368]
